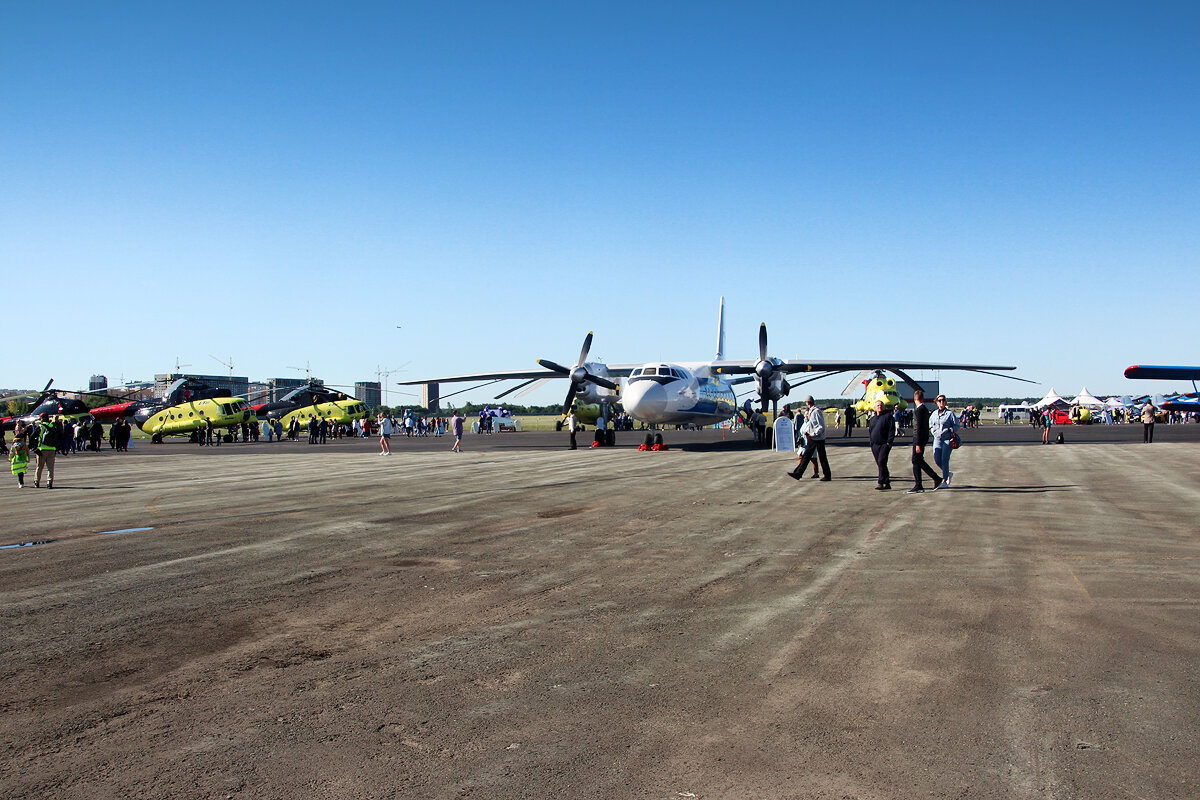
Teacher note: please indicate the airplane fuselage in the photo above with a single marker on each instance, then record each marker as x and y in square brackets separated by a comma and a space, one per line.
[673, 394]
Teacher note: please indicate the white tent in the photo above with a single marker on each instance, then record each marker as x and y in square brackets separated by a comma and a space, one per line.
[1087, 400]
[1052, 398]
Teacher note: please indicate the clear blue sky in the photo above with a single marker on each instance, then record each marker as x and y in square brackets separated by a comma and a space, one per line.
[1013, 183]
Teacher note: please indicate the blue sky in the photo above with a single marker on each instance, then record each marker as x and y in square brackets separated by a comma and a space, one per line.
[282, 183]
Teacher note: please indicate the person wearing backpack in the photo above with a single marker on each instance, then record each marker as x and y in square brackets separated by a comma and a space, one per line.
[814, 432]
[45, 435]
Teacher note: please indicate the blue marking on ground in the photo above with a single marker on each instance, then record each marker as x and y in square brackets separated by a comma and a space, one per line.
[26, 544]
[127, 530]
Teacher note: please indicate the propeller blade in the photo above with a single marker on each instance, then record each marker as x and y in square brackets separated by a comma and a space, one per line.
[587, 345]
[762, 342]
[605, 382]
[548, 364]
[570, 399]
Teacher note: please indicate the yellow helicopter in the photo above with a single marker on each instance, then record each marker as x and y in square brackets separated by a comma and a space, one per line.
[313, 400]
[879, 387]
[187, 406]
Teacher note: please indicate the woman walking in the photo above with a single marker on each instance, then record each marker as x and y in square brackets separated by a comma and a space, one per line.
[943, 426]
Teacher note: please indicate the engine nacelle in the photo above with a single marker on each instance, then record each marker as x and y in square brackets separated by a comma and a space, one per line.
[774, 386]
[592, 394]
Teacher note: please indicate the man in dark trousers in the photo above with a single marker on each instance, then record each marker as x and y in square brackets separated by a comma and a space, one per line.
[920, 442]
[883, 433]
[814, 429]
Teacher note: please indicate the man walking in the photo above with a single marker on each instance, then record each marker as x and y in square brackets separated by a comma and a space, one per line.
[456, 425]
[882, 429]
[814, 431]
[45, 434]
[920, 442]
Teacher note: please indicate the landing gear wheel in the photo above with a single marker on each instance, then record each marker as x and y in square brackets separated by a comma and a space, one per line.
[156, 438]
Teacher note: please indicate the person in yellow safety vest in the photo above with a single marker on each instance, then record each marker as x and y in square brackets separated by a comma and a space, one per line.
[19, 457]
[46, 437]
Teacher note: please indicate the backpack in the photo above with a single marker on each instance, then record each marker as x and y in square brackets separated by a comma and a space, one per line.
[47, 436]
[1060, 438]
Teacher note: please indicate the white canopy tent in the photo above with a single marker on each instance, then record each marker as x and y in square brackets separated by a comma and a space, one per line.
[1087, 400]
[1052, 398]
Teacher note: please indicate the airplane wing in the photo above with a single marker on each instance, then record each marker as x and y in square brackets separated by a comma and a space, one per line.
[1163, 373]
[823, 369]
[614, 371]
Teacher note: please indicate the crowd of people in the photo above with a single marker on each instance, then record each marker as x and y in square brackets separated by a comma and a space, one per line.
[43, 440]
[410, 425]
[938, 428]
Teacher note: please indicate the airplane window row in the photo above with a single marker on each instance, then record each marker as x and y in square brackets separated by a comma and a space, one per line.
[668, 372]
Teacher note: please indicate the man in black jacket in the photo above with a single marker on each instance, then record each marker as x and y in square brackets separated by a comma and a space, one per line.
[920, 442]
[883, 432]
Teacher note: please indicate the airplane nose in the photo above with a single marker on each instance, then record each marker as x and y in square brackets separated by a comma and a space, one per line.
[645, 400]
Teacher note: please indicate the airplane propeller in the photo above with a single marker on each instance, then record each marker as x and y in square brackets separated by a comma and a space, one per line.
[765, 369]
[577, 374]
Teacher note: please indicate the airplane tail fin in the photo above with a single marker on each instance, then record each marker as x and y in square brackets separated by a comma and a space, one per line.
[721, 331]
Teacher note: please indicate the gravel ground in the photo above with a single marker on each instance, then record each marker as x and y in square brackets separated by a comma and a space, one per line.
[522, 621]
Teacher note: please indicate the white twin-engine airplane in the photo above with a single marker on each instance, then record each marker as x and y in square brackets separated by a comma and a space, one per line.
[691, 392]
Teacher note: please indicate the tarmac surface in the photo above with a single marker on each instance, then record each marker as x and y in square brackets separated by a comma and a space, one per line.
[524, 621]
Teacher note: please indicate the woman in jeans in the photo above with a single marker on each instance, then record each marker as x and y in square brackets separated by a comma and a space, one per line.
[942, 427]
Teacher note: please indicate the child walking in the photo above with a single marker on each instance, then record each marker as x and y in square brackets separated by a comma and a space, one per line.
[19, 457]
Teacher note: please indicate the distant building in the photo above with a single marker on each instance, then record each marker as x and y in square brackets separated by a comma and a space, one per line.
[932, 390]
[236, 386]
[259, 392]
[368, 393]
[97, 382]
[281, 386]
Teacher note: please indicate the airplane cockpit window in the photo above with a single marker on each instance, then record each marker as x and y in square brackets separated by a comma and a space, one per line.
[660, 374]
